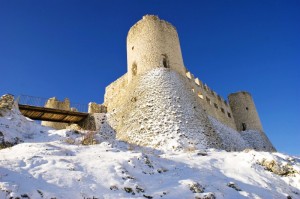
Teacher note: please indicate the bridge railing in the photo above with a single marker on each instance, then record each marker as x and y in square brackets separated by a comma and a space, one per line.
[41, 102]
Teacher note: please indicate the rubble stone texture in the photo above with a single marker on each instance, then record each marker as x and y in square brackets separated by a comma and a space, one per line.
[6, 102]
[96, 108]
[56, 104]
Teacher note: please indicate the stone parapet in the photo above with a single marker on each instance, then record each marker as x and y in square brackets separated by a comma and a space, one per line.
[96, 108]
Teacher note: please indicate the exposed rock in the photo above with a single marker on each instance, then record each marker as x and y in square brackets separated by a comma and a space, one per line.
[89, 138]
[196, 188]
[206, 196]
[114, 188]
[128, 190]
[277, 168]
[74, 127]
[149, 197]
[234, 186]
[6, 102]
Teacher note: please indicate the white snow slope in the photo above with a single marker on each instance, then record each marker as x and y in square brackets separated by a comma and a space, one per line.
[53, 164]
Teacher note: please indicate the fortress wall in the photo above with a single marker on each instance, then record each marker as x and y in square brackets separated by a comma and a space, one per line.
[54, 103]
[248, 122]
[159, 110]
[158, 97]
[153, 43]
[96, 108]
[244, 111]
[93, 122]
[212, 103]
[113, 91]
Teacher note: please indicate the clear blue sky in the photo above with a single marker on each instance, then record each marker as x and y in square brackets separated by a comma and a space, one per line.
[75, 49]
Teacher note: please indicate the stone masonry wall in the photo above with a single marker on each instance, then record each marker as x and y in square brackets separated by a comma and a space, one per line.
[157, 109]
[54, 103]
[153, 43]
[211, 102]
[244, 111]
[93, 122]
[96, 108]
[114, 90]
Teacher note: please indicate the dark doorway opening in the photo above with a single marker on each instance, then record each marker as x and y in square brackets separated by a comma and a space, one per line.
[244, 126]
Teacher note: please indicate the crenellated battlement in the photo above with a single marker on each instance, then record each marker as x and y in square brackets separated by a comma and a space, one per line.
[211, 101]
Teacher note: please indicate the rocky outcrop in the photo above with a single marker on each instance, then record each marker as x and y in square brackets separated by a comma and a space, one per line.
[6, 102]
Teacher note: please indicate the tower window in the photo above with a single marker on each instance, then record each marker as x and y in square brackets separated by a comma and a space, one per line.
[247, 108]
[165, 61]
[134, 69]
[223, 111]
[216, 105]
[132, 47]
[229, 115]
[244, 126]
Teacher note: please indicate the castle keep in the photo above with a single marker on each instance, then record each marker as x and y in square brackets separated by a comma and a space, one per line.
[159, 103]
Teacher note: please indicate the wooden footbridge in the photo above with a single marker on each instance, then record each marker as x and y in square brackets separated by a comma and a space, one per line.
[34, 108]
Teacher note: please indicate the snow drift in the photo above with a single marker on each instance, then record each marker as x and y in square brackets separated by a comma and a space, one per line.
[47, 165]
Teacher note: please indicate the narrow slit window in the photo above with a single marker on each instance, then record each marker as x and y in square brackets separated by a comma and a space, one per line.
[165, 61]
[216, 105]
[244, 126]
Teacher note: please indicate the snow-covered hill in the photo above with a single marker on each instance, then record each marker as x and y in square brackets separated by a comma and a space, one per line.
[51, 163]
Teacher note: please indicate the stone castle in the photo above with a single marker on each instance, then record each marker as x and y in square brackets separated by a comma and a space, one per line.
[158, 102]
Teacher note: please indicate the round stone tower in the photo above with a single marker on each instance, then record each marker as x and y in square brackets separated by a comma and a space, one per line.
[153, 43]
[244, 111]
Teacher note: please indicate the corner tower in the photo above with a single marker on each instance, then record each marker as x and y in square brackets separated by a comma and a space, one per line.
[244, 111]
[153, 43]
